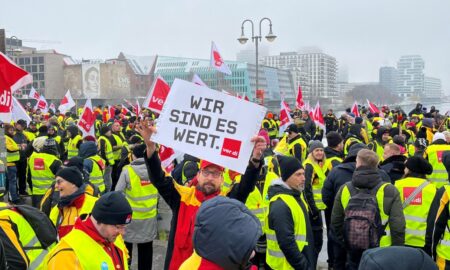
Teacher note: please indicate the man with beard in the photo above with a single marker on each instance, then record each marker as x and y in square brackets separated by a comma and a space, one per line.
[185, 201]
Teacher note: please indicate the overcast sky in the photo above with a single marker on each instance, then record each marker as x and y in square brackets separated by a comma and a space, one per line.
[362, 35]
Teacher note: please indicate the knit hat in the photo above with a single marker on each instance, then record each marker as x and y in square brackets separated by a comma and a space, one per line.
[38, 143]
[420, 143]
[438, 136]
[427, 122]
[288, 166]
[138, 150]
[263, 133]
[354, 149]
[292, 128]
[315, 145]
[135, 139]
[358, 120]
[334, 138]
[419, 165]
[75, 162]
[104, 129]
[22, 122]
[72, 175]
[387, 258]
[113, 209]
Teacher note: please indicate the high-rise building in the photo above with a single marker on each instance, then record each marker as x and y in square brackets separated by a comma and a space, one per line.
[275, 82]
[388, 78]
[410, 80]
[433, 88]
[320, 70]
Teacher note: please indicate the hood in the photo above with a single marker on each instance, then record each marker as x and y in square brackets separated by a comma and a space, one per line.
[380, 132]
[394, 159]
[364, 177]
[187, 157]
[140, 168]
[355, 130]
[279, 187]
[330, 152]
[439, 141]
[354, 149]
[87, 149]
[225, 232]
[73, 131]
[348, 165]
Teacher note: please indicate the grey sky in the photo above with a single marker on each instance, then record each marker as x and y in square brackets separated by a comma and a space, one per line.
[362, 35]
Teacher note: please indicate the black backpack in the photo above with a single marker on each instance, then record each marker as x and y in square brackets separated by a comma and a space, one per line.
[363, 227]
[43, 227]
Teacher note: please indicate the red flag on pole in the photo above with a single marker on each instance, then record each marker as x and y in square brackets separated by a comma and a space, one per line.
[217, 60]
[285, 118]
[112, 112]
[355, 109]
[66, 103]
[318, 116]
[42, 104]
[87, 119]
[372, 107]
[166, 155]
[12, 77]
[157, 95]
[34, 94]
[299, 103]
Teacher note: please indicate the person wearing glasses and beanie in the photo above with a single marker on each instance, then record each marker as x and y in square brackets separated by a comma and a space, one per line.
[95, 242]
[185, 201]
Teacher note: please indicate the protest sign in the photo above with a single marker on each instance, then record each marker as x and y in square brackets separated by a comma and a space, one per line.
[209, 124]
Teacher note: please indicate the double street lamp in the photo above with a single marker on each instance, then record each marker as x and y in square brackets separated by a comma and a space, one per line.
[256, 39]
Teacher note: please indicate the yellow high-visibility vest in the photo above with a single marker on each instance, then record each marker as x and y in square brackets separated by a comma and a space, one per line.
[42, 176]
[439, 177]
[317, 182]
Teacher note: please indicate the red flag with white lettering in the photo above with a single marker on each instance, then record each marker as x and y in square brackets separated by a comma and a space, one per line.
[217, 61]
[166, 155]
[157, 95]
[34, 94]
[372, 107]
[41, 104]
[299, 103]
[87, 119]
[285, 118]
[66, 103]
[12, 78]
[355, 109]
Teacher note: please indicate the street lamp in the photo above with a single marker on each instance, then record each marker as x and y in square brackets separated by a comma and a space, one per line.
[11, 49]
[256, 39]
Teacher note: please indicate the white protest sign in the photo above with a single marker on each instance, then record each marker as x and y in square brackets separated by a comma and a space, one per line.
[209, 124]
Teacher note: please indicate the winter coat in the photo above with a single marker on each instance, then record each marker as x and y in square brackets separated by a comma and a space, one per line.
[367, 178]
[139, 230]
[280, 220]
[394, 166]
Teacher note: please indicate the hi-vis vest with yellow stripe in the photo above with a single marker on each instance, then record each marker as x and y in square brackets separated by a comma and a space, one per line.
[416, 212]
[12, 156]
[42, 176]
[318, 179]
[108, 150]
[96, 175]
[143, 196]
[72, 150]
[439, 177]
[302, 144]
[274, 256]
[385, 240]
[443, 247]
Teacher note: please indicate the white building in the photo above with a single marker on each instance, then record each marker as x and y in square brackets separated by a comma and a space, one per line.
[314, 70]
[410, 76]
[433, 88]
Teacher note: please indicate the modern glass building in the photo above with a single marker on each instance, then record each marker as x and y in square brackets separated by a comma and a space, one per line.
[410, 80]
[275, 82]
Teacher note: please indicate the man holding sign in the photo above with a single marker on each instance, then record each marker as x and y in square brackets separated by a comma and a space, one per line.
[185, 201]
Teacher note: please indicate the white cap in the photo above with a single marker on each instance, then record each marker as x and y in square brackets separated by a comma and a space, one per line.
[438, 135]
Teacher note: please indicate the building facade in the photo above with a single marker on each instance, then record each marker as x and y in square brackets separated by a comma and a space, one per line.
[140, 70]
[275, 82]
[319, 71]
[388, 78]
[432, 88]
[410, 80]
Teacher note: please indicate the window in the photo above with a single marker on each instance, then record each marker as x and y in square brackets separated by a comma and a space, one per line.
[34, 68]
[41, 60]
[35, 60]
[41, 76]
[21, 61]
[41, 68]
[27, 61]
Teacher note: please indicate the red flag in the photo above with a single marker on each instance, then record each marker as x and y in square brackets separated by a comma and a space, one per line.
[157, 95]
[34, 94]
[318, 116]
[112, 111]
[355, 109]
[12, 77]
[66, 103]
[217, 60]
[372, 107]
[299, 103]
[246, 98]
[285, 118]
[42, 104]
[166, 155]
[286, 105]
[87, 119]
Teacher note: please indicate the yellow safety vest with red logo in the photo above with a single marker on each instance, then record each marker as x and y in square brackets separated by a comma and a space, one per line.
[439, 177]
[42, 176]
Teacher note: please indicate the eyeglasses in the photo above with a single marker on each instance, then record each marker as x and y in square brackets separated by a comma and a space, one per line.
[210, 173]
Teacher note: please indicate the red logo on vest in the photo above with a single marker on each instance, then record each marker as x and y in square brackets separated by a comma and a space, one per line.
[39, 164]
[145, 182]
[439, 156]
[407, 191]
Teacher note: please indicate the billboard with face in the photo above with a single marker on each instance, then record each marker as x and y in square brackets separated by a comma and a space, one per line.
[91, 80]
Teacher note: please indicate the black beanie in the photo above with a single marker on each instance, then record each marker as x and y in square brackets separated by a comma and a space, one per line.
[292, 128]
[288, 166]
[333, 139]
[419, 165]
[104, 129]
[138, 150]
[113, 209]
[72, 175]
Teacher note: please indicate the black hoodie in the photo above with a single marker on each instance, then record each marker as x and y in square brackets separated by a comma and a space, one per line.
[280, 220]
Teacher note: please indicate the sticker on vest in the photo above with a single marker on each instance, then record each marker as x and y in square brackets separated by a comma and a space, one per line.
[145, 182]
[101, 164]
[439, 156]
[407, 191]
[39, 164]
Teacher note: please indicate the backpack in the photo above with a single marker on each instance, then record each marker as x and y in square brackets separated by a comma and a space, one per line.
[363, 227]
[43, 227]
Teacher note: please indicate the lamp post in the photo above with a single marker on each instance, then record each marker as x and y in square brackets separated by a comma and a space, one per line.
[256, 39]
[11, 49]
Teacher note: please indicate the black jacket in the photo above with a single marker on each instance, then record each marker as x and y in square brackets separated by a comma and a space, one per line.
[280, 220]
[394, 166]
[297, 148]
[189, 166]
[166, 188]
[330, 153]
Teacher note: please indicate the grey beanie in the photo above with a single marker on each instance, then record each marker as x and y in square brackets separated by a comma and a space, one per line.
[314, 145]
